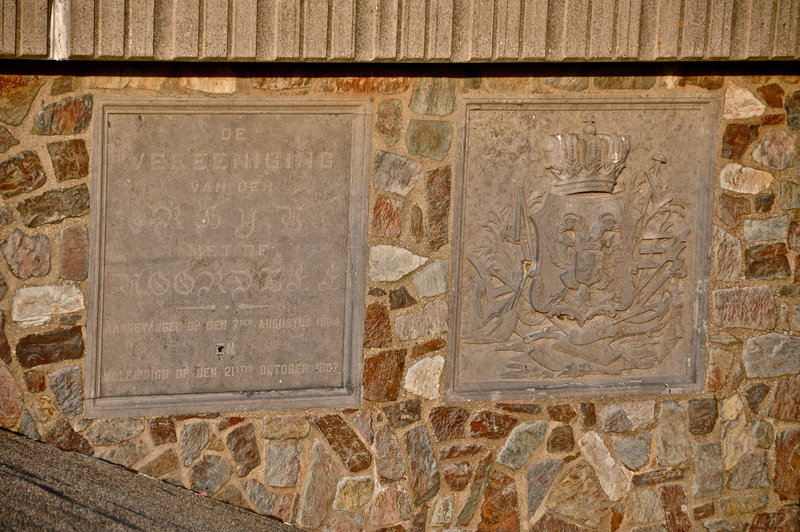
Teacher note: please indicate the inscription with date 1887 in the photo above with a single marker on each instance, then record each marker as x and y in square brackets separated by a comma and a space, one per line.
[228, 256]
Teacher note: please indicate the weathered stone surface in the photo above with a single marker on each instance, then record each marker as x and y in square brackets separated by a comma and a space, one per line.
[10, 398]
[476, 491]
[363, 84]
[6, 216]
[162, 430]
[209, 85]
[773, 119]
[737, 138]
[644, 507]
[488, 424]
[390, 506]
[389, 460]
[363, 423]
[634, 451]
[400, 298]
[776, 150]
[44, 408]
[54, 205]
[727, 256]
[499, 510]
[784, 401]
[737, 441]
[743, 179]
[551, 523]
[344, 523]
[730, 209]
[459, 450]
[228, 422]
[764, 202]
[395, 173]
[772, 94]
[27, 256]
[522, 408]
[787, 465]
[431, 320]
[390, 263]
[67, 385]
[790, 196]
[627, 416]
[430, 346]
[210, 473]
[673, 500]
[624, 82]
[35, 305]
[27, 426]
[422, 469]
[114, 431]
[278, 83]
[723, 525]
[743, 504]
[704, 510]
[658, 476]
[34, 380]
[568, 83]
[702, 415]
[194, 438]
[614, 480]
[343, 441]
[561, 440]
[432, 280]
[66, 117]
[539, 477]
[783, 520]
[415, 223]
[750, 473]
[792, 106]
[752, 307]
[62, 436]
[242, 443]
[52, 346]
[165, 462]
[771, 355]
[775, 228]
[457, 475]
[386, 217]
[707, 469]
[382, 374]
[741, 103]
[230, 494]
[402, 413]
[423, 377]
[7, 140]
[74, 252]
[281, 464]
[578, 496]
[434, 96]
[352, 493]
[389, 120]
[265, 501]
[523, 441]
[755, 395]
[127, 454]
[285, 428]
[377, 327]
[443, 511]
[429, 138]
[767, 261]
[562, 413]
[448, 422]
[16, 95]
[320, 488]
[21, 173]
[5, 348]
[70, 159]
[437, 194]
[732, 408]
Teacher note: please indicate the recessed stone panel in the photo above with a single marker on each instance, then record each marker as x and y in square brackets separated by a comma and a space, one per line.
[581, 245]
[228, 257]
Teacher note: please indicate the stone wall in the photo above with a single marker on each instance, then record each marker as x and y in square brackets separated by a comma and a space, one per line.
[406, 460]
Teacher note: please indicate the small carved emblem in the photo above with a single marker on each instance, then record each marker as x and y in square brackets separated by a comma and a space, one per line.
[583, 278]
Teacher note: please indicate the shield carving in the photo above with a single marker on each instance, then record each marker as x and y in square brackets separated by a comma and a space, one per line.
[584, 263]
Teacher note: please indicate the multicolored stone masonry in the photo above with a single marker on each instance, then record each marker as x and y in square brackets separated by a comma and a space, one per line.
[725, 458]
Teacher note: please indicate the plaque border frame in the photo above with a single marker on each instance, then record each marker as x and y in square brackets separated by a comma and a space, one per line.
[693, 380]
[349, 394]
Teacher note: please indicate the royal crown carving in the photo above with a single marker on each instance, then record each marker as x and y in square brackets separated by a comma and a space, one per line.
[587, 162]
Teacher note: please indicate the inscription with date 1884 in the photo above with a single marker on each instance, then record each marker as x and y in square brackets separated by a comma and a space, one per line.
[228, 256]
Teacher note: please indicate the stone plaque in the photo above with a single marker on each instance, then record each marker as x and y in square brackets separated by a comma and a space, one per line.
[582, 251]
[228, 255]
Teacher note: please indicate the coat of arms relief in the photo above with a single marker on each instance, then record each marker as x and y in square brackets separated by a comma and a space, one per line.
[585, 276]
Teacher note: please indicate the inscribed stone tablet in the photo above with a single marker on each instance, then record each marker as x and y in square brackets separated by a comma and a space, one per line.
[582, 241]
[228, 260]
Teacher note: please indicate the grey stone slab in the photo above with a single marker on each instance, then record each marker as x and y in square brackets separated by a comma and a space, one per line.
[33, 28]
[8, 29]
[215, 29]
[140, 28]
[604, 289]
[81, 28]
[111, 28]
[244, 29]
[218, 288]
[412, 34]
[315, 32]
[341, 29]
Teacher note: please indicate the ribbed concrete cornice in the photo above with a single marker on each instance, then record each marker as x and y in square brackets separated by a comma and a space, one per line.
[401, 30]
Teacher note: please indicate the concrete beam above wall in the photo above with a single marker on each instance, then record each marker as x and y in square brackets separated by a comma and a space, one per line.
[406, 30]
